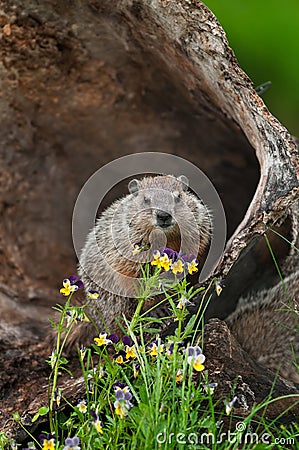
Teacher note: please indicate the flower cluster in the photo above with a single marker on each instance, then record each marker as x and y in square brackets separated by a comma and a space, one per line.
[75, 314]
[123, 397]
[71, 285]
[125, 348]
[169, 259]
[127, 353]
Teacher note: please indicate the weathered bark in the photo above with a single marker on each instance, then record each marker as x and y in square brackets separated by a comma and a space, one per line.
[84, 82]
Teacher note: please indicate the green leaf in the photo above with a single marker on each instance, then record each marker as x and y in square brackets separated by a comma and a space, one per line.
[43, 410]
[16, 416]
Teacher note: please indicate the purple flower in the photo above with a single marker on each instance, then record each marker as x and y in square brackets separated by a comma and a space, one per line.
[139, 243]
[94, 414]
[210, 388]
[136, 368]
[127, 341]
[221, 281]
[96, 421]
[172, 254]
[180, 345]
[75, 281]
[42, 437]
[118, 384]
[120, 357]
[190, 258]
[194, 351]
[123, 394]
[72, 443]
[90, 386]
[196, 358]
[114, 338]
[219, 285]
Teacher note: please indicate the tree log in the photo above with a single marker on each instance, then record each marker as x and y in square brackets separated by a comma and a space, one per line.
[85, 82]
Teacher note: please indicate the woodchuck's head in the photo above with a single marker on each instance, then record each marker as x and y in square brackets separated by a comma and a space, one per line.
[163, 203]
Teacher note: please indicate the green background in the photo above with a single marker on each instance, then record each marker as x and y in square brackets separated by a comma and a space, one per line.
[264, 35]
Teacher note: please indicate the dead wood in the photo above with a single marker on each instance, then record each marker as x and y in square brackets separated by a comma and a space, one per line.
[85, 82]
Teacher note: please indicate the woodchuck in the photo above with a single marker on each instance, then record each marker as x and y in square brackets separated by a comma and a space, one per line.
[266, 324]
[267, 327]
[158, 210]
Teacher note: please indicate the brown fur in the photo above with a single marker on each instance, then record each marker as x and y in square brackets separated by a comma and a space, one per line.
[267, 327]
[266, 324]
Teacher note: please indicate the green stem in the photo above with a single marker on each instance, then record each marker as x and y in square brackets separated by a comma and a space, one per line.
[29, 434]
[58, 352]
[136, 315]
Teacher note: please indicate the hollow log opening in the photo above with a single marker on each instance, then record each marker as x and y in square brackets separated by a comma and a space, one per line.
[77, 93]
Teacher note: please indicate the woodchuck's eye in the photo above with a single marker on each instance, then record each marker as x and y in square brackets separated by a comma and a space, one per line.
[146, 200]
[177, 197]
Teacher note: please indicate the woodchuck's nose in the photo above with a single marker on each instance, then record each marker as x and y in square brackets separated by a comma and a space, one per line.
[164, 219]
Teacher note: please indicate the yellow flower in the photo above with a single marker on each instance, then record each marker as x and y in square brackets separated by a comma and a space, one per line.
[177, 267]
[136, 370]
[102, 340]
[121, 410]
[130, 352]
[82, 406]
[161, 261]
[179, 376]
[192, 266]
[82, 351]
[119, 359]
[182, 302]
[136, 250]
[98, 426]
[49, 444]
[68, 288]
[93, 295]
[218, 288]
[156, 260]
[197, 364]
[165, 262]
[155, 349]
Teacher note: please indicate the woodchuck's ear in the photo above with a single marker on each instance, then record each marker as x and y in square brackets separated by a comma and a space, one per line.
[133, 187]
[185, 182]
